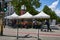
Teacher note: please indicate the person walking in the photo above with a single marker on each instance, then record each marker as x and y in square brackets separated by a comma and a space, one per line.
[48, 25]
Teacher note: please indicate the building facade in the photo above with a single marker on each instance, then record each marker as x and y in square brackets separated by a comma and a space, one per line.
[10, 9]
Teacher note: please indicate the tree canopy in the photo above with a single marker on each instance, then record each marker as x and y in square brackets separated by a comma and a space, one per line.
[48, 11]
[30, 5]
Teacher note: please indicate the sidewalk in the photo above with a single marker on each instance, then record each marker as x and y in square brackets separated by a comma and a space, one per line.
[29, 34]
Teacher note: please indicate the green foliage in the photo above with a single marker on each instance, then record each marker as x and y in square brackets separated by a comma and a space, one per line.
[48, 11]
[30, 5]
[58, 19]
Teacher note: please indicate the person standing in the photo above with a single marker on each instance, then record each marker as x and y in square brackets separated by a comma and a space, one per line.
[41, 25]
[34, 24]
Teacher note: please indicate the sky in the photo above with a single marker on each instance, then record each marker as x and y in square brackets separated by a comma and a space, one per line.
[53, 4]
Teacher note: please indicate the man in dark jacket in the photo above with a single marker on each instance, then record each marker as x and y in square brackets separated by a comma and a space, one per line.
[48, 25]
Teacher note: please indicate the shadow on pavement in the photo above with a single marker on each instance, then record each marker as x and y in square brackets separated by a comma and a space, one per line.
[25, 36]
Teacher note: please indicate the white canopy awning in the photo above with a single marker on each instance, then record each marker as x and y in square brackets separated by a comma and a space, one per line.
[26, 15]
[13, 16]
[41, 15]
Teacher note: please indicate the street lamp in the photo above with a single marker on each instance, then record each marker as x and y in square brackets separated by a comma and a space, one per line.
[23, 8]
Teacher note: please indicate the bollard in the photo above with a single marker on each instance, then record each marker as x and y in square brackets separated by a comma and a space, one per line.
[1, 30]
